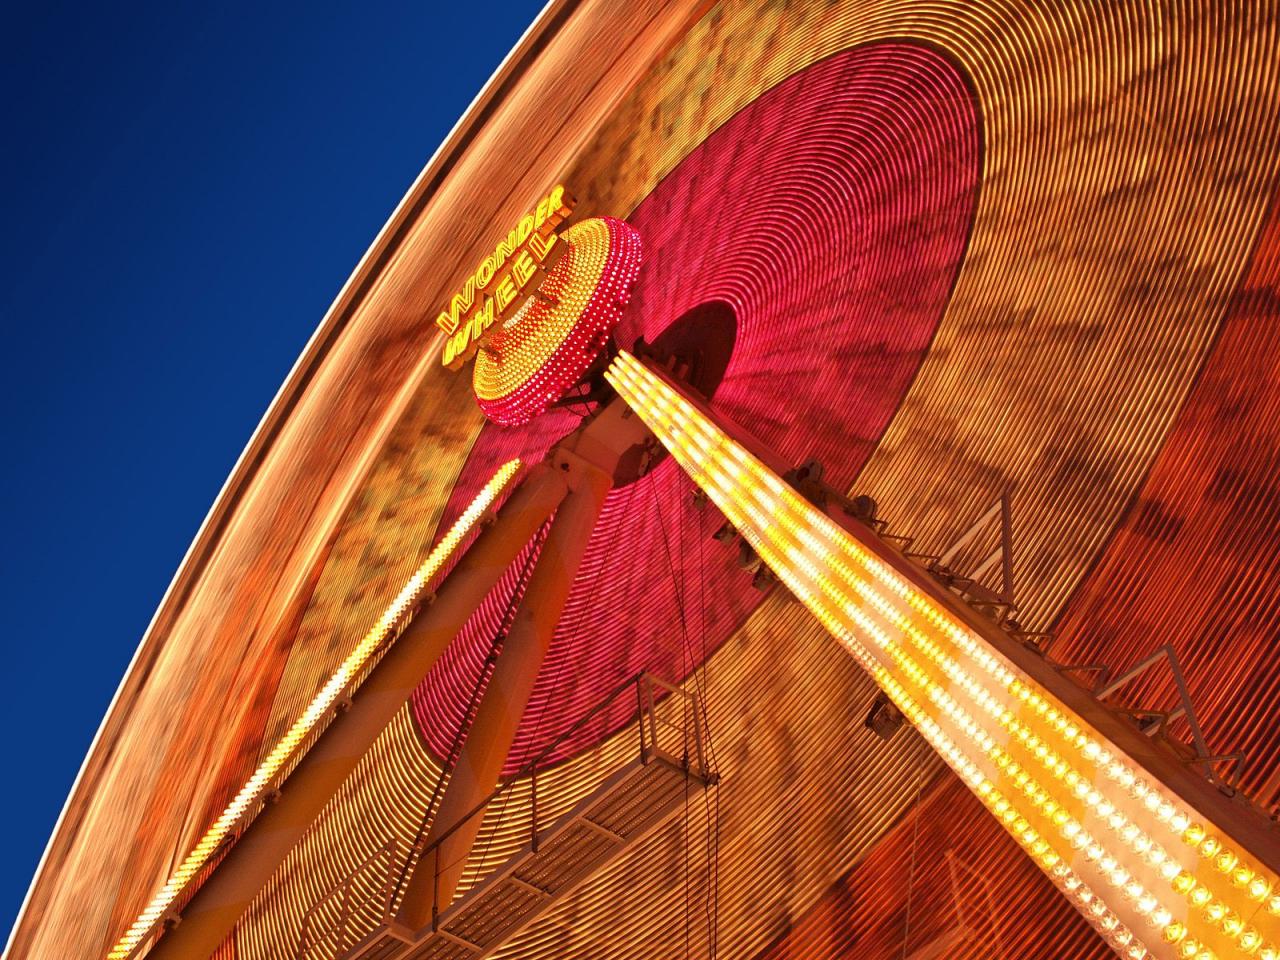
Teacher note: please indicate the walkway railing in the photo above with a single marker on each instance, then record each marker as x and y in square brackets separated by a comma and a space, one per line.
[669, 727]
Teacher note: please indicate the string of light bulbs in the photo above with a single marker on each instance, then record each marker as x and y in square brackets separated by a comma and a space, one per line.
[298, 737]
[1151, 874]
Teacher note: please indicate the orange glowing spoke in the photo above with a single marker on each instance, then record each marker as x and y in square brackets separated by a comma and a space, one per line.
[297, 739]
[1152, 874]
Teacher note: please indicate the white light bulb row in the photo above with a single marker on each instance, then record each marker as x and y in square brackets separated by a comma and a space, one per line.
[1236, 871]
[846, 618]
[1020, 827]
[799, 561]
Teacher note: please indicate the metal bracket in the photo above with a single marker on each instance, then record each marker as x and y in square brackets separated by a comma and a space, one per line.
[970, 584]
[1185, 709]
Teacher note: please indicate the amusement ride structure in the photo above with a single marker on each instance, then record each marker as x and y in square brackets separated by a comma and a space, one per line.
[789, 480]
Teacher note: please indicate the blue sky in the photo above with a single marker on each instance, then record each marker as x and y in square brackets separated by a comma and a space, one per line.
[187, 186]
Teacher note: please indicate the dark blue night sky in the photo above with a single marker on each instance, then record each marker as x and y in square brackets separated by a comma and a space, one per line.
[187, 188]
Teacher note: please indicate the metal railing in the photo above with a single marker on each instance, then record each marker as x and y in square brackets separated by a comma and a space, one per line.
[678, 740]
[1151, 722]
[327, 927]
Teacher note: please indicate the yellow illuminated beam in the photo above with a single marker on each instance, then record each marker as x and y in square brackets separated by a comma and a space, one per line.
[1154, 876]
[293, 744]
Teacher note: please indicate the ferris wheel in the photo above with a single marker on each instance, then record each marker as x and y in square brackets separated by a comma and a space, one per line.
[792, 480]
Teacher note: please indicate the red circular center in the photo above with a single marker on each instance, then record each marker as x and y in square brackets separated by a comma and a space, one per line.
[830, 216]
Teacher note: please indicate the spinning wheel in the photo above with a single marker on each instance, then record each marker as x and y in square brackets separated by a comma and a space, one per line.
[953, 254]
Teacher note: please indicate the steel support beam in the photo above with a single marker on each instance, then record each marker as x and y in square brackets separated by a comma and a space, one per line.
[216, 907]
[1056, 767]
[589, 459]
[475, 774]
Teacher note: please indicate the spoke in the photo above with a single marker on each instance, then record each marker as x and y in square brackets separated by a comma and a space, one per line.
[1155, 873]
[299, 737]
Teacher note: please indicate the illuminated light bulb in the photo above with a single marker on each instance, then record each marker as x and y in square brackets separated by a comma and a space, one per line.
[1249, 940]
[284, 749]
[1184, 882]
[1258, 888]
[546, 347]
[1200, 896]
[1209, 846]
[1174, 932]
[1161, 917]
[1273, 905]
[1216, 910]
[1189, 948]
[1241, 876]
[865, 616]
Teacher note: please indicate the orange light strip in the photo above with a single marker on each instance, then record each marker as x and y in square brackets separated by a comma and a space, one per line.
[1153, 875]
[297, 739]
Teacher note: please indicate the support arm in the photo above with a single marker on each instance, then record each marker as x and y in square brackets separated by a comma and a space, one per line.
[589, 459]
[218, 904]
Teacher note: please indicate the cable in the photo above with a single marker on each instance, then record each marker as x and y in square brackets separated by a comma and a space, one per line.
[713, 921]
[464, 724]
[911, 872]
[699, 675]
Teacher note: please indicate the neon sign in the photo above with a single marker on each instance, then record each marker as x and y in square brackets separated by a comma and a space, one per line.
[550, 344]
[504, 280]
